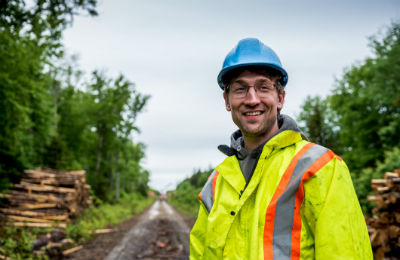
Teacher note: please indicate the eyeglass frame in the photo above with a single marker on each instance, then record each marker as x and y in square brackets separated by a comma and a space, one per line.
[256, 87]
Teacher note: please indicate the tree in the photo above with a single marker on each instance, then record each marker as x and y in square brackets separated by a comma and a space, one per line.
[318, 123]
[362, 115]
[30, 39]
[116, 104]
[367, 101]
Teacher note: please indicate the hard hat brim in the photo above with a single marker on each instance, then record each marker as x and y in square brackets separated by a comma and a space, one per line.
[223, 72]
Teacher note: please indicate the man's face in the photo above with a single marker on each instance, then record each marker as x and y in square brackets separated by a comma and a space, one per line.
[254, 114]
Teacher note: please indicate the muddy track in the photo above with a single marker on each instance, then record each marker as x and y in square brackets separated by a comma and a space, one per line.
[158, 233]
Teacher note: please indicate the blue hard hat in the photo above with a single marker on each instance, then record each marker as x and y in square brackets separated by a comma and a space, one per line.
[251, 52]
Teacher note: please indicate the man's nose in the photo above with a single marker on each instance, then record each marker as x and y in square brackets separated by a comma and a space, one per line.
[252, 97]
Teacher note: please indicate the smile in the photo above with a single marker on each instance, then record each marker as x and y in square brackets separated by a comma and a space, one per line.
[256, 113]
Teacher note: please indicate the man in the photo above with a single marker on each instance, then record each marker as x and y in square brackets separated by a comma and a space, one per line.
[276, 195]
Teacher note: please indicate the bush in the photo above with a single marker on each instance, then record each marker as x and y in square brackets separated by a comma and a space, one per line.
[185, 197]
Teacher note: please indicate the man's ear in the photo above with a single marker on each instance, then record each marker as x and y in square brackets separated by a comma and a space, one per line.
[227, 105]
[281, 99]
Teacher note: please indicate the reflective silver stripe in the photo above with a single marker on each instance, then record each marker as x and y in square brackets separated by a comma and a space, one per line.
[283, 224]
[206, 193]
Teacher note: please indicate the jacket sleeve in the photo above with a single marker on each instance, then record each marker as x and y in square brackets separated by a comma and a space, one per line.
[333, 213]
[198, 234]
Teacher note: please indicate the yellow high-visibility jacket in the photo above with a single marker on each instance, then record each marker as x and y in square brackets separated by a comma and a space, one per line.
[299, 204]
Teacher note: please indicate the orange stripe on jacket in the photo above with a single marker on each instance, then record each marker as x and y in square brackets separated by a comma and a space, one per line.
[270, 214]
[214, 182]
[296, 230]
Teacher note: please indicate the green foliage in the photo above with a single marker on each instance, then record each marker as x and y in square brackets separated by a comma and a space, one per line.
[43, 20]
[50, 117]
[363, 183]
[106, 215]
[362, 115]
[16, 243]
[368, 102]
[185, 197]
[318, 123]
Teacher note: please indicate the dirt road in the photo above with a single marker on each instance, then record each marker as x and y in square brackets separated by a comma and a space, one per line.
[158, 233]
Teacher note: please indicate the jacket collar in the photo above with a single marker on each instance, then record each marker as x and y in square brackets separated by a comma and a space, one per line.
[237, 148]
[230, 169]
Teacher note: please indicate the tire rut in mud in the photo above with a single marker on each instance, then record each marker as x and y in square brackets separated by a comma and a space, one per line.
[166, 243]
[161, 233]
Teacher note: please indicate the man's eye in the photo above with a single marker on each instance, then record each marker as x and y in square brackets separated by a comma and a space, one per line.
[240, 89]
[263, 88]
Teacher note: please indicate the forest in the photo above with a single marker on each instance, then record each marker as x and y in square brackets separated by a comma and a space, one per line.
[359, 120]
[53, 115]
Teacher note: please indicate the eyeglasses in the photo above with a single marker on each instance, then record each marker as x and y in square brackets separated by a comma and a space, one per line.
[239, 90]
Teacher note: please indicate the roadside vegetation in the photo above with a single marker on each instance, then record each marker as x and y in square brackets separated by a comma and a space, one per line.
[106, 215]
[360, 119]
[54, 115]
[185, 197]
[17, 242]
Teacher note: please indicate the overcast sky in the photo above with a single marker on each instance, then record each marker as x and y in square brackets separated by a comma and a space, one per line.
[173, 50]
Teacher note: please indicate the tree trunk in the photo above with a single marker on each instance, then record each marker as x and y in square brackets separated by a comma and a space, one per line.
[117, 177]
[99, 155]
[111, 173]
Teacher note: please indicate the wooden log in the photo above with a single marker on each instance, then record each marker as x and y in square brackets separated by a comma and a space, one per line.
[57, 234]
[383, 240]
[38, 225]
[394, 197]
[53, 249]
[43, 188]
[379, 181]
[54, 182]
[22, 212]
[56, 172]
[3, 195]
[56, 218]
[38, 205]
[5, 257]
[32, 220]
[72, 250]
[77, 173]
[382, 189]
[397, 217]
[103, 231]
[54, 236]
[372, 236]
[39, 197]
[389, 175]
[41, 241]
[394, 232]
[58, 180]
[395, 180]
[378, 200]
[379, 253]
[39, 173]
[37, 213]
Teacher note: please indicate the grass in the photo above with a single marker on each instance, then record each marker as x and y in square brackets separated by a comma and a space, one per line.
[106, 215]
[16, 242]
[188, 205]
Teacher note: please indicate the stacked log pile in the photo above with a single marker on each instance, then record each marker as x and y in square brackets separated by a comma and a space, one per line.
[384, 225]
[46, 198]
